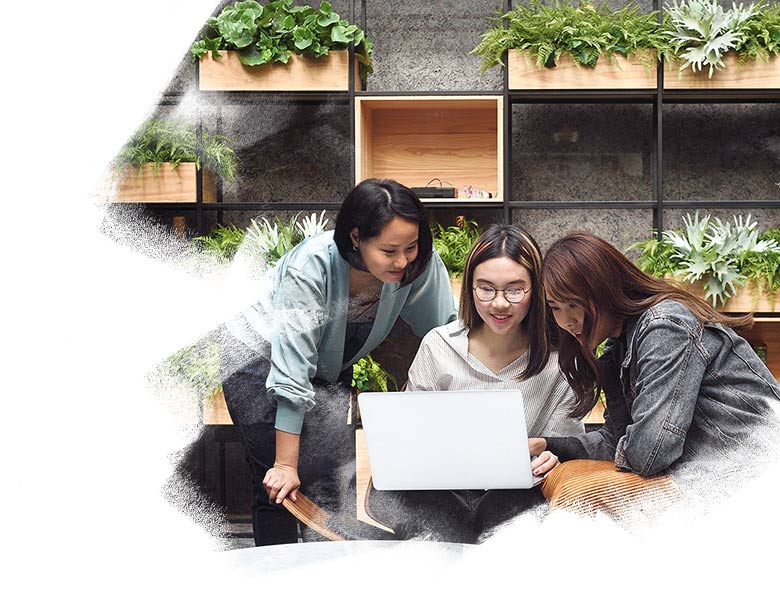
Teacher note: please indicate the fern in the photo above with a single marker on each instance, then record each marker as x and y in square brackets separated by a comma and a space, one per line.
[584, 32]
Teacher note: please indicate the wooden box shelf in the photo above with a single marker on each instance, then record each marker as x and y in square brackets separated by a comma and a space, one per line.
[302, 73]
[623, 73]
[169, 184]
[413, 139]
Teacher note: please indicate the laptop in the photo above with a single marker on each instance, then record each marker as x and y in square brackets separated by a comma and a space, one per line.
[447, 440]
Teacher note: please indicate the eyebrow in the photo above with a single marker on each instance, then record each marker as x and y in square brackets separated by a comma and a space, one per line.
[515, 281]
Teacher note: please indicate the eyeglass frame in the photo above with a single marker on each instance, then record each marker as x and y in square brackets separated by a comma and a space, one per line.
[502, 290]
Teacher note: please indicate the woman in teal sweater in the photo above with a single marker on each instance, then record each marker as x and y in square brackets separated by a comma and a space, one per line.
[327, 303]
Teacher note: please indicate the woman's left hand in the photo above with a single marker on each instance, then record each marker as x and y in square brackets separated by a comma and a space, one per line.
[544, 463]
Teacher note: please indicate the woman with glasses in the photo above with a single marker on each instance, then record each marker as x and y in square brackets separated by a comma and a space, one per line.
[500, 342]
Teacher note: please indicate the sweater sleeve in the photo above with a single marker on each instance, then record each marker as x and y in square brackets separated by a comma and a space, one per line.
[430, 302]
[299, 315]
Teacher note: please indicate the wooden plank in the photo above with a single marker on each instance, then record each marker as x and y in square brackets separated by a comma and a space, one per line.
[215, 410]
[766, 333]
[621, 74]
[362, 477]
[168, 185]
[301, 73]
[754, 74]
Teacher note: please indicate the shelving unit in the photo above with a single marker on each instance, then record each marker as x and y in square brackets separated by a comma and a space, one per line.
[412, 139]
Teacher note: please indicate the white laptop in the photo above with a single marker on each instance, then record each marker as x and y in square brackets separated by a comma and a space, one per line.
[449, 440]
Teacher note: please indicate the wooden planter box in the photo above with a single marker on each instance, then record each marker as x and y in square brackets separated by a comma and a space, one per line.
[413, 139]
[754, 74]
[169, 185]
[744, 301]
[302, 73]
[623, 74]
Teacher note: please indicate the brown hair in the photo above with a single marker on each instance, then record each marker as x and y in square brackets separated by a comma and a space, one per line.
[515, 243]
[585, 270]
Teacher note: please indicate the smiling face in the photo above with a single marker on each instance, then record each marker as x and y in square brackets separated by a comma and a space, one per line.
[571, 318]
[387, 255]
[500, 273]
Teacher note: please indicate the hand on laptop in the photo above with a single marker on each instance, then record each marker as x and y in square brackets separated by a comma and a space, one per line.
[544, 463]
[280, 482]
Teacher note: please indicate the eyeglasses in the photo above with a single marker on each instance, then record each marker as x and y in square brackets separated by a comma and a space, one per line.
[486, 293]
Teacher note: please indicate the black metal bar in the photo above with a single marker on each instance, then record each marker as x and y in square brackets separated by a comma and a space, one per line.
[198, 172]
[658, 140]
[256, 97]
[584, 204]
[582, 96]
[418, 93]
[352, 98]
[507, 129]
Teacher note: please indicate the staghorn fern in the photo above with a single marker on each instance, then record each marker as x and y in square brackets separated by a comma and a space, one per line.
[701, 32]
[714, 252]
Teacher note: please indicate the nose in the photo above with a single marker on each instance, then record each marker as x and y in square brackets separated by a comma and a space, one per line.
[401, 263]
[500, 299]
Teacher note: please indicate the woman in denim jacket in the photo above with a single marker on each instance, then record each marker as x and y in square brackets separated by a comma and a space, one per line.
[681, 386]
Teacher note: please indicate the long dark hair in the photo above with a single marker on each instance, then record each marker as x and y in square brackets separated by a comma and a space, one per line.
[370, 206]
[585, 270]
[514, 242]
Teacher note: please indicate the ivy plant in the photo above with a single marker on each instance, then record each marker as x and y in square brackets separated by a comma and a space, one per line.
[585, 32]
[174, 141]
[720, 255]
[262, 34]
[453, 244]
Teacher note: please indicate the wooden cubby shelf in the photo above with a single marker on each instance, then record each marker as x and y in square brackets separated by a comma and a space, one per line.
[414, 139]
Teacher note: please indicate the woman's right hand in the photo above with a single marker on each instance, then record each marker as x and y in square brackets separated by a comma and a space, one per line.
[280, 482]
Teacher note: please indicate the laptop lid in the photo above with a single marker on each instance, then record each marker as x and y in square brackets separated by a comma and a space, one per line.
[448, 440]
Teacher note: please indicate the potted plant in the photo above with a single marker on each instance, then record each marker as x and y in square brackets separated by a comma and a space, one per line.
[713, 47]
[159, 163]
[453, 244]
[733, 266]
[559, 46]
[279, 46]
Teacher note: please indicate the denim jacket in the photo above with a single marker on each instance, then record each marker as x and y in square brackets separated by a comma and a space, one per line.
[680, 390]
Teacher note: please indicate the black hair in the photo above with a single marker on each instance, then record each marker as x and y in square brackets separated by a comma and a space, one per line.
[369, 207]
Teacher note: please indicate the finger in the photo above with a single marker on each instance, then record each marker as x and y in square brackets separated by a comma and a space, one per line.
[293, 495]
[286, 489]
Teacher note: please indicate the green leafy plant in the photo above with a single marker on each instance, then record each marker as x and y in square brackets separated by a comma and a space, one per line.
[222, 242]
[275, 239]
[701, 31]
[546, 31]
[174, 141]
[197, 365]
[369, 376]
[720, 256]
[269, 240]
[453, 244]
[262, 34]
[760, 34]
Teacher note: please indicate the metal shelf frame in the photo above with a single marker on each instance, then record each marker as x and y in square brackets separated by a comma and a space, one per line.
[657, 98]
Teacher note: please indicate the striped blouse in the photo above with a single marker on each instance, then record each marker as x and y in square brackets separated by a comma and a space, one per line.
[443, 362]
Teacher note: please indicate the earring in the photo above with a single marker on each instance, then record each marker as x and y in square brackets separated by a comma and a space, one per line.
[354, 247]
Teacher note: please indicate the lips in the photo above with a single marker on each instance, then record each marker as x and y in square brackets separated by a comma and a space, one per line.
[500, 318]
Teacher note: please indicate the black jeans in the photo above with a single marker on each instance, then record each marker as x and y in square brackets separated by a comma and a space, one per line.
[448, 516]
[327, 454]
